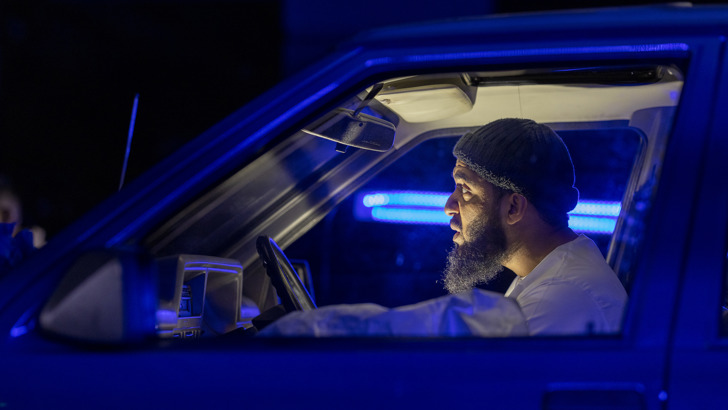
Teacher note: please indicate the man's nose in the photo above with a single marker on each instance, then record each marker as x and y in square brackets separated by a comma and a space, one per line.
[451, 206]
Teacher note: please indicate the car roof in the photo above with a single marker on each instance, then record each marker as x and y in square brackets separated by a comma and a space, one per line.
[668, 19]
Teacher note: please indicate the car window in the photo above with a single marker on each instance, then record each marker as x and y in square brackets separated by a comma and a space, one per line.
[387, 243]
[321, 199]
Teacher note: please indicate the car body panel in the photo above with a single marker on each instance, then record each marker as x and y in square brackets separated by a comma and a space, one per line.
[699, 354]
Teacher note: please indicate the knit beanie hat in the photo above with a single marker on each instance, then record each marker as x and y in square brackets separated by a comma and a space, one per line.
[525, 157]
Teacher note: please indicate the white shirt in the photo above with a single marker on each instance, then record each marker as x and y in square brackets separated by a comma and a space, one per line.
[474, 313]
[571, 291]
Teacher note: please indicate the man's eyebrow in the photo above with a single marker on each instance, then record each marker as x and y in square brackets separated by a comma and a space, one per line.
[460, 174]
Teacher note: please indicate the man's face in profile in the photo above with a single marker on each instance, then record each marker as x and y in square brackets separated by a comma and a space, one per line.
[480, 241]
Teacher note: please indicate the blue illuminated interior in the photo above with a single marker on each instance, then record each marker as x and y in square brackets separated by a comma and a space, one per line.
[394, 234]
[417, 207]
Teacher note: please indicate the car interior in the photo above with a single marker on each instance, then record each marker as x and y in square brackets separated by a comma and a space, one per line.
[354, 199]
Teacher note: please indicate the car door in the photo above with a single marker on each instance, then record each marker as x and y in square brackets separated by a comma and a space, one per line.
[629, 370]
[699, 356]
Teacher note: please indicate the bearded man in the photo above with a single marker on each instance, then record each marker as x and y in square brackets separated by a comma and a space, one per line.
[514, 186]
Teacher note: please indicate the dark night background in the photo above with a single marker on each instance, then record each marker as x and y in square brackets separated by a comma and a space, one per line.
[69, 71]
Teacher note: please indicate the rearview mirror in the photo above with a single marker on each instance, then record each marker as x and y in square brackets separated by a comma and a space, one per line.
[355, 130]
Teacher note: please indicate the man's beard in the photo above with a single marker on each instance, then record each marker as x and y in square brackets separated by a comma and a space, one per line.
[479, 260]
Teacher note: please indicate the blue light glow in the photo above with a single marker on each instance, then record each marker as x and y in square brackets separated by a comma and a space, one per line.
[410, 216]
[418, 207]
[18, 331]
[597, 208]
[592, 224]
[405, 198]
[210, 269]
[489, 54]
[25, 324]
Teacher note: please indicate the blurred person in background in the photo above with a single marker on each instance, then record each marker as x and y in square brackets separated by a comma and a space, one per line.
[16, 243]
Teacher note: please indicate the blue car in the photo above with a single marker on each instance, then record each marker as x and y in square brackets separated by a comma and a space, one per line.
[154, 297]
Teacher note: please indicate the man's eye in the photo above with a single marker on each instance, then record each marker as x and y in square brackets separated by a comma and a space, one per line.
[465, 191]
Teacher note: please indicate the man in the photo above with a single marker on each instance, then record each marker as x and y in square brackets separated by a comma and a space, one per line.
[514, 186]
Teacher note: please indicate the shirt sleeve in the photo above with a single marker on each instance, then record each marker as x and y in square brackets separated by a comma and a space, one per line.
[475, 313]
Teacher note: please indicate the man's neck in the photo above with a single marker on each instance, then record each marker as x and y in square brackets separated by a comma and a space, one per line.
[533, 248]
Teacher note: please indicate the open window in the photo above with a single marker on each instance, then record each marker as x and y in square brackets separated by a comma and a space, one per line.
[348, 211]
[387, 243]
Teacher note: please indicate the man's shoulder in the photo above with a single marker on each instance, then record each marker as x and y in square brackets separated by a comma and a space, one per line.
[582, 257]
[578, 266]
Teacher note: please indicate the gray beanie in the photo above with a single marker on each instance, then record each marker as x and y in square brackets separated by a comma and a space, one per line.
[525, 157]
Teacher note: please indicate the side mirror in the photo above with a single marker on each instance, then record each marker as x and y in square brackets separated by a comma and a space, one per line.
[106, 296]
[353, 129]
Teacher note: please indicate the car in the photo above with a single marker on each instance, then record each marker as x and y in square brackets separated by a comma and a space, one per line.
[148, 299]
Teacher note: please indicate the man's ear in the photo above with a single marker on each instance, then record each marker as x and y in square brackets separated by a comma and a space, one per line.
[516, 205]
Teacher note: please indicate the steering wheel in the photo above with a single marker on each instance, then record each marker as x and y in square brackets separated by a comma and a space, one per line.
[289, 287]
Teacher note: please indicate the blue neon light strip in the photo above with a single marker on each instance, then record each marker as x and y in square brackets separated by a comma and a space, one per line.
[669, 48]
[597, 208]
[592, 224]
[410, 215]
[405, 198]
[415, 207]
